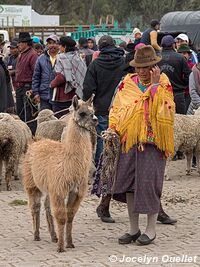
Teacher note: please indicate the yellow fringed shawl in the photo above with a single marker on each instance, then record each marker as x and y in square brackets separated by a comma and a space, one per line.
[130, 118]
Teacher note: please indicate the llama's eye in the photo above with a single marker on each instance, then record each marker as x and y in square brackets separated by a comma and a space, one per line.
[82, 114]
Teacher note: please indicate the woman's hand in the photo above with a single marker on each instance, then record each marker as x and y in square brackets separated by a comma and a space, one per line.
[155, 75]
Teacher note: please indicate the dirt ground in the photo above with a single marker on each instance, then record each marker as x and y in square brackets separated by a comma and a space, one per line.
[96, 242]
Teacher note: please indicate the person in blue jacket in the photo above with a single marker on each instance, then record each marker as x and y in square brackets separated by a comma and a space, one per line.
[44, 73]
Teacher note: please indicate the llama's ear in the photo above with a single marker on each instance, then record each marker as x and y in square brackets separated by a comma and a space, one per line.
[75, 102]
[90, 100]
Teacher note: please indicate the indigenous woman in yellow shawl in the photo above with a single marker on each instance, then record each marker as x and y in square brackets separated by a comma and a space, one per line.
[143, 115]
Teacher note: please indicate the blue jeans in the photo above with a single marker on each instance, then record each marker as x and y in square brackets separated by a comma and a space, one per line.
[102, 126]
[24, 110]
[44, 104]
[58, 106]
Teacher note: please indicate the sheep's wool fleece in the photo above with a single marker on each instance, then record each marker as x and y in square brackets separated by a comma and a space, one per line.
[133, 111]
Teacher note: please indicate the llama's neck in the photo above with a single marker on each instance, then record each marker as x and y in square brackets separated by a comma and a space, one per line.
[76, 136]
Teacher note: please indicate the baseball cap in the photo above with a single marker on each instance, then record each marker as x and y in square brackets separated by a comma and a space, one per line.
[13, 44]
[183, 37]
[36, 40]
[106, 40]
[53, 37]
[167, 41]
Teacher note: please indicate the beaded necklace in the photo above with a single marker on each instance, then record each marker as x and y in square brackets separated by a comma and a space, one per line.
[143, 83]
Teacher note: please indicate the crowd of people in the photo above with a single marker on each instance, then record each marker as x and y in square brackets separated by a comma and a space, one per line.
[138, 88]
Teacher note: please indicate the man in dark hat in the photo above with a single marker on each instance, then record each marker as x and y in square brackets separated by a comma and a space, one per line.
[185, 50]
[102, 77]
[176, 68]
[12, 60]
[149, 37]
[44, 73]
[24, 72]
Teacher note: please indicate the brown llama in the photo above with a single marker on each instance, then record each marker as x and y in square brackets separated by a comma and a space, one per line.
[60, 170]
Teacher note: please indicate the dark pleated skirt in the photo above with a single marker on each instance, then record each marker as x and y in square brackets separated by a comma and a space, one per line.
[141, 172]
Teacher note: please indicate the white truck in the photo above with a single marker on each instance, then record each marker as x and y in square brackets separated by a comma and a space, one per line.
[4, 36]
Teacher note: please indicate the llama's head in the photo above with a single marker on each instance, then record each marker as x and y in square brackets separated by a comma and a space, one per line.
[83, 112]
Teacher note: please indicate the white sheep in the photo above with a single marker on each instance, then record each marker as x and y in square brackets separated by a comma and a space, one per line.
[14, 138]
[187, 138]
[48, 126]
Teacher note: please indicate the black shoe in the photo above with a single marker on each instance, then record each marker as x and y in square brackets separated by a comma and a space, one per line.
[145, 240]
[194, 165]
[180, 155]
[104, 215]
[127, 238]
[107, 219]
[165, 219]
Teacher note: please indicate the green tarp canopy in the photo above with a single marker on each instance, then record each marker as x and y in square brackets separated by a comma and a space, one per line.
[185, 21]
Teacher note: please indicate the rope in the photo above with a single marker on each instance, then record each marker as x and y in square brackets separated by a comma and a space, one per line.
[57, 112]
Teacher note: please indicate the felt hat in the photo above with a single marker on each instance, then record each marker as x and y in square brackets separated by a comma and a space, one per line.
[184, 48]
[145, 56]
[24, 37]
[67, 41]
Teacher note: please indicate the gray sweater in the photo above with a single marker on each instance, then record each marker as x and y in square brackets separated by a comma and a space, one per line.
[195, 97]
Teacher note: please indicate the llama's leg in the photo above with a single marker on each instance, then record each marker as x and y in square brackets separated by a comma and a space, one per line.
[72, 207]
[50, 220]
[34, 196]
[1, 166]
[189, 162]
[8, 174]
[60, 214]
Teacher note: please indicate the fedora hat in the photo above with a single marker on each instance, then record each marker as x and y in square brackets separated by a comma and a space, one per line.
[24, 37]
[184, 48]
[145, 56]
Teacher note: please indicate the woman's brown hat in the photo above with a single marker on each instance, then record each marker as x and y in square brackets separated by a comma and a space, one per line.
[145, 56]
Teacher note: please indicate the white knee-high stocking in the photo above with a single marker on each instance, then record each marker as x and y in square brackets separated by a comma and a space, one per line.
[151, 225]
[133, 217]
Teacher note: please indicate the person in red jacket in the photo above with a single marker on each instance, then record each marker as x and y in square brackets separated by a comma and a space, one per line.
[70, 71]
[23, 79]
